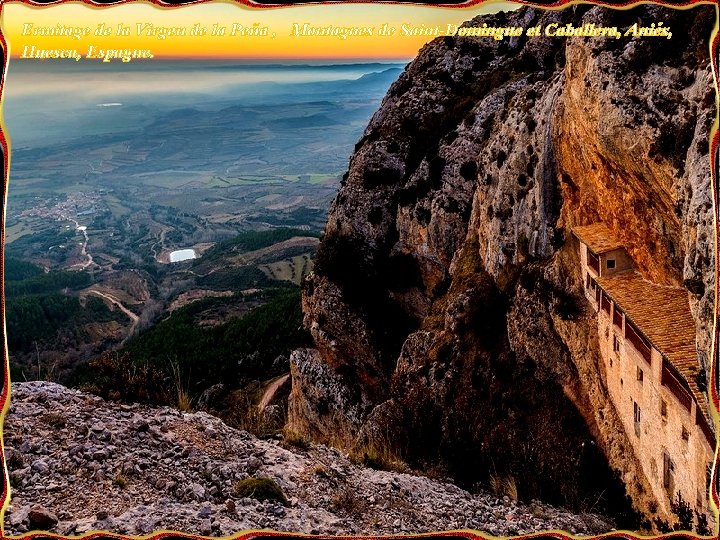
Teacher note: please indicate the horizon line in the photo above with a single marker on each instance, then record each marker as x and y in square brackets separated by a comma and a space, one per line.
[273, 59]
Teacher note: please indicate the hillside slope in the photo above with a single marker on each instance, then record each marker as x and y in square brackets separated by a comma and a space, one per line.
[79, 463]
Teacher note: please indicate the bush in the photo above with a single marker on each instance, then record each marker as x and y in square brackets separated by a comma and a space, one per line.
[703, 528]
[242, 412]
[380, 455]
[347, 500]
[293, 438]
[117, 377]
[504, 486]
[684, 513]
[120, 481]
[261, 489]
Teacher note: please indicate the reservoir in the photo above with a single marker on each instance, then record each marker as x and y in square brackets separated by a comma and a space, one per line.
[182, 255]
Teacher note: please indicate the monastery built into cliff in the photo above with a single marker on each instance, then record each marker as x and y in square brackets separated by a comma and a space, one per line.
[652, 374]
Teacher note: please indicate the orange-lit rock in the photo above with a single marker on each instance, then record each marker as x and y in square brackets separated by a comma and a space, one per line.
[447, 306]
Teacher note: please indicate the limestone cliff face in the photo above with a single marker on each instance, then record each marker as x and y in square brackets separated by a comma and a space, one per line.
[446, 307]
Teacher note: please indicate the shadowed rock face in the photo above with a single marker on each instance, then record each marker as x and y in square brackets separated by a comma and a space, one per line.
[446, 307]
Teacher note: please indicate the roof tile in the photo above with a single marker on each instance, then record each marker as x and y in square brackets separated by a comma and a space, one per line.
[663, 315]
[598, 237]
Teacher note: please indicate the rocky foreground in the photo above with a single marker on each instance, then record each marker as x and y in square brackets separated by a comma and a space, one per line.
[79, 463]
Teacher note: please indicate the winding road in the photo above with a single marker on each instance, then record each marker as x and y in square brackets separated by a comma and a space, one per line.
[134, 318]
[84, 250]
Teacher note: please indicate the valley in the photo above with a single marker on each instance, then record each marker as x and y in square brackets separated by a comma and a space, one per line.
[209, 203]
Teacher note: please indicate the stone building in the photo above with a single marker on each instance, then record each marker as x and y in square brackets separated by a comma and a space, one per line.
[651, 368]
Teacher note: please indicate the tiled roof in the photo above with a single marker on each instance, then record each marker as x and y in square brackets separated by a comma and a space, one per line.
[597, 237]
[663, 315]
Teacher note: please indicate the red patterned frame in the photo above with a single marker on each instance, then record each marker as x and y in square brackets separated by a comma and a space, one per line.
[450, 535]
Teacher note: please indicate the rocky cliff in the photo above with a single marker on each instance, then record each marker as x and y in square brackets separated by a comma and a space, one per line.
[446, 307]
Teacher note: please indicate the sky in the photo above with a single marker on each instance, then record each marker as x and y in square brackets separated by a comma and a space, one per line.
[279, 43]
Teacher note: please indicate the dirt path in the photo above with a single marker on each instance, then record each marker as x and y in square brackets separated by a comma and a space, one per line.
[84, 250]
[161, 242]
[270, 392]
[134, 318]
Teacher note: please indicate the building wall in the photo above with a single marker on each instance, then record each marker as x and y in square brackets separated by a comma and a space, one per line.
[657, 434]
[622, 262]
[583, 258]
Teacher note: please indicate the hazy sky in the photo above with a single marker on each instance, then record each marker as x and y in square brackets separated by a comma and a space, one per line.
[279, 21]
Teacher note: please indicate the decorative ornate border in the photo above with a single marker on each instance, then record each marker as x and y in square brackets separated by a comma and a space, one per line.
[449, 535]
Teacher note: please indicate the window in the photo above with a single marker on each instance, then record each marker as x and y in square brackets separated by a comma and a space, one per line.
[668, 475]
[685, 434]
[663, 408]
[636, 409]
[632, 334]
[640, 376]
[606, 304]
[593, 262]
[708, 474]
[610, 264]
[673, 383]
[616, 344]
[618, 317]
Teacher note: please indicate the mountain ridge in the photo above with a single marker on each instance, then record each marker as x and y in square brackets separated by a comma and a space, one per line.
[446, 305]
